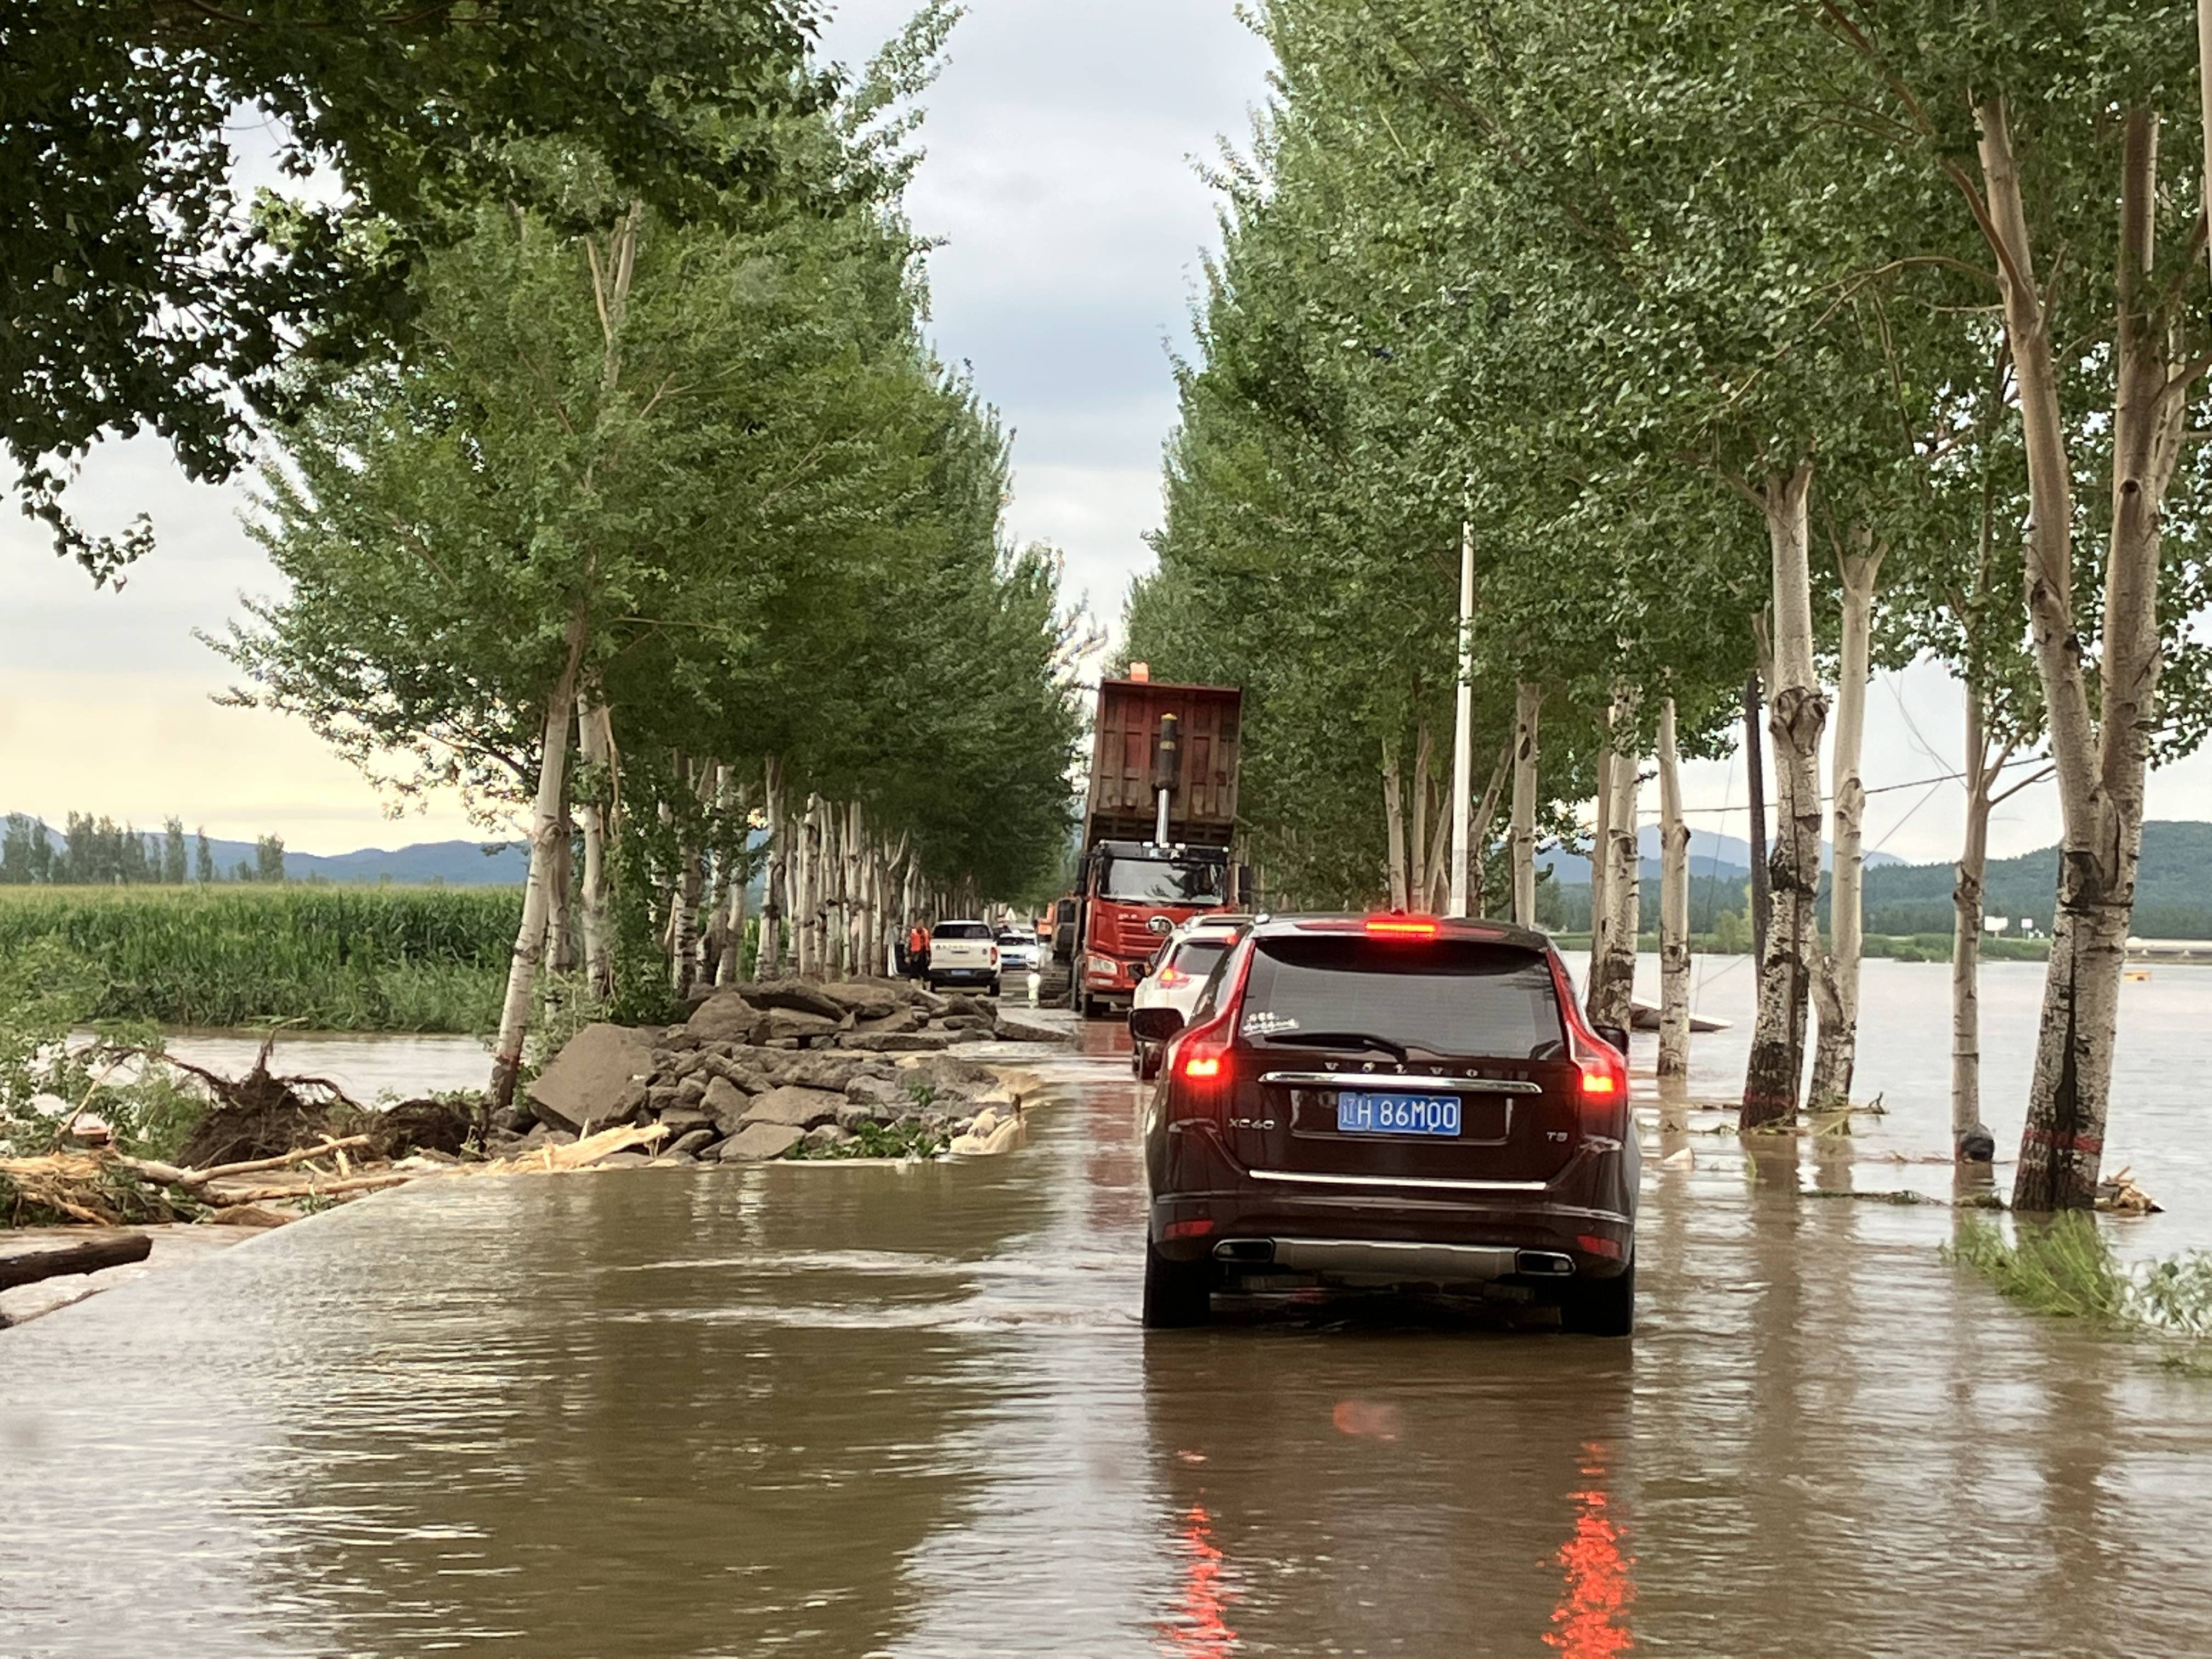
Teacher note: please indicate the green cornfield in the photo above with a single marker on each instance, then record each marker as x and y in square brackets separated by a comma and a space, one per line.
[325, 958]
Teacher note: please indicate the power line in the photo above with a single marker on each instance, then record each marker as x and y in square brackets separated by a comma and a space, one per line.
[1885, 789]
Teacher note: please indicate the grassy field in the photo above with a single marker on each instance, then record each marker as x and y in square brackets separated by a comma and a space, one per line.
[329, 958]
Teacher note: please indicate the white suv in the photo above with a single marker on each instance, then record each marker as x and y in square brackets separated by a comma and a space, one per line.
[963, 953]
[1179, 973]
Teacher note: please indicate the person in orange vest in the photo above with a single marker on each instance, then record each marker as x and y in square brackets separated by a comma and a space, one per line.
[917, 953]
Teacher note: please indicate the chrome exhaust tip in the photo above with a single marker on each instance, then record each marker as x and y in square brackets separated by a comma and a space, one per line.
[1544, 1264]
[1249, 1252]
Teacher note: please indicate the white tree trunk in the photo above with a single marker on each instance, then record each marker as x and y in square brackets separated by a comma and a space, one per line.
[595, 735]
[1835, 983]
[1436, 897]
[1798, 715]
[1612, 952]
[545, 822]
[1417, 880]
[1601, 859]
[1393, 817]
[1527, 715]
[1673, 907]
[774, 899]
[1484, 812]
[2101, 759]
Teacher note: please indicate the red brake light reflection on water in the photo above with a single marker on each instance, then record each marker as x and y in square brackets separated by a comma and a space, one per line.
[1401, 926]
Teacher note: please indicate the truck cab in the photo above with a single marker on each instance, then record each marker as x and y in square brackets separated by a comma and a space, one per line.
[1133, 895]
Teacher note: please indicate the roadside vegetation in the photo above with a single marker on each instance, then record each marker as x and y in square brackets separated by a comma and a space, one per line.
[2065, 1267]
[52, 1074]
[324, 958]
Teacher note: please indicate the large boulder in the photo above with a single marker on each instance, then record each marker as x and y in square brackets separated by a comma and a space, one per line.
[687, 1148]
[820, 1068]
[726, 1105]
[798, 996]
[797, 1109]
[888, 1093]
[794, 1025]
[899, 1019]
[760, 1143]
[743, 1073]
[686, 1120]
[589, 1077]
[862, 999]
[726, 1016]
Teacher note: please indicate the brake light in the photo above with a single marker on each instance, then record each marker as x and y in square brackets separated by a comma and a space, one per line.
[1401, 926]
[1170, 976]
[1202, 1066]
[1605, 1075]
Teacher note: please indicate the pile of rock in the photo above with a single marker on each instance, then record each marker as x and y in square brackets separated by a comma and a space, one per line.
[760, 1071]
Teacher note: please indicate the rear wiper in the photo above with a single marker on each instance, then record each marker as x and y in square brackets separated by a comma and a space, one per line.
[1341, 1040]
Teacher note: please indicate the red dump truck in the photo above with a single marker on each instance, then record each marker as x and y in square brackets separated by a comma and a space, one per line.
[1156, 833]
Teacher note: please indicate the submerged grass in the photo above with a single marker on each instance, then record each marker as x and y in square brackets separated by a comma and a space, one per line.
[334, 959]
[2065, 1267]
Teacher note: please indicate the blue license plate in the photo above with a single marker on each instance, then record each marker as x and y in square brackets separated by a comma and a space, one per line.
[1360, 1114]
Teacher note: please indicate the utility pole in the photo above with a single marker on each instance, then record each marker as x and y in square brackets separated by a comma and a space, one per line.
[1463, 737]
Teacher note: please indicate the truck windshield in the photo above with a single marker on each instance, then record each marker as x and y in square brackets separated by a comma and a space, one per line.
[1163, 881]
[1443, 997]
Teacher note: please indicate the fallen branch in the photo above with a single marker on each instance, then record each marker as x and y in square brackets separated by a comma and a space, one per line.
[194, 1180]
[320, 1188]
[29, 1267]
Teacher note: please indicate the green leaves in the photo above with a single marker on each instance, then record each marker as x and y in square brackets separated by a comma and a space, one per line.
[138, 291]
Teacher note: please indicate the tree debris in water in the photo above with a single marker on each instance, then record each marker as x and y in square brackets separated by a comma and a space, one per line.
[2118, 1194]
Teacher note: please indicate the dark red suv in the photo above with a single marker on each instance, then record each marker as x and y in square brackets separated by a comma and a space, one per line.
[1390, 1101]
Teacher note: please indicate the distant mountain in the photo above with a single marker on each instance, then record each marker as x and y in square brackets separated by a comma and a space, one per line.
[446, 863]
[2173, 888]
[452, 863]
[1722, 857]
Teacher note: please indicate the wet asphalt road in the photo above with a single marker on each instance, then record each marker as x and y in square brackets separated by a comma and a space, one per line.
[845, 1411]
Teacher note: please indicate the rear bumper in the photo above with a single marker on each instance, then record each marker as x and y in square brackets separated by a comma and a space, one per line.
[1581, 1224]
[963, 975]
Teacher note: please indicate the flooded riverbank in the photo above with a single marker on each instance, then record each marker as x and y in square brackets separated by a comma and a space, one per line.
[909, 1410]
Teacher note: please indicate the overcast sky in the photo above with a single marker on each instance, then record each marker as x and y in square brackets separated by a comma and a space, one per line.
[1063, 141]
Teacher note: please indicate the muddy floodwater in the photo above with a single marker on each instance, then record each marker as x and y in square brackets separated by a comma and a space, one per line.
[864, 1411]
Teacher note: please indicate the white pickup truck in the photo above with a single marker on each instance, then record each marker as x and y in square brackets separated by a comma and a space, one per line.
[963, 953]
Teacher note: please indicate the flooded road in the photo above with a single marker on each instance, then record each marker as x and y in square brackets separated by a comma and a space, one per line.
[840, 1412]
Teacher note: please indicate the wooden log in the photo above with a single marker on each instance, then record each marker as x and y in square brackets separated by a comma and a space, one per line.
[169, 1175]
[88, 1256]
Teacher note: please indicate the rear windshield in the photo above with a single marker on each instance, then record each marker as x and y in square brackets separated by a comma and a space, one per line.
[1197, 957]
[960, 930]
[1444, 997]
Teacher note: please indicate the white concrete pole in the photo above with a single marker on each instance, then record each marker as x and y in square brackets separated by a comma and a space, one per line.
[1463, 735]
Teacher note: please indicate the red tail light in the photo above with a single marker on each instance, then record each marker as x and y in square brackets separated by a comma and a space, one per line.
[1203, 1055]
[1169, 976]
[1604, 1068]
[1201, 1063]
[1401, 926]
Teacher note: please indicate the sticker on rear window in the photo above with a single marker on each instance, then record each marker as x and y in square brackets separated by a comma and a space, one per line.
[1266, 1025]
